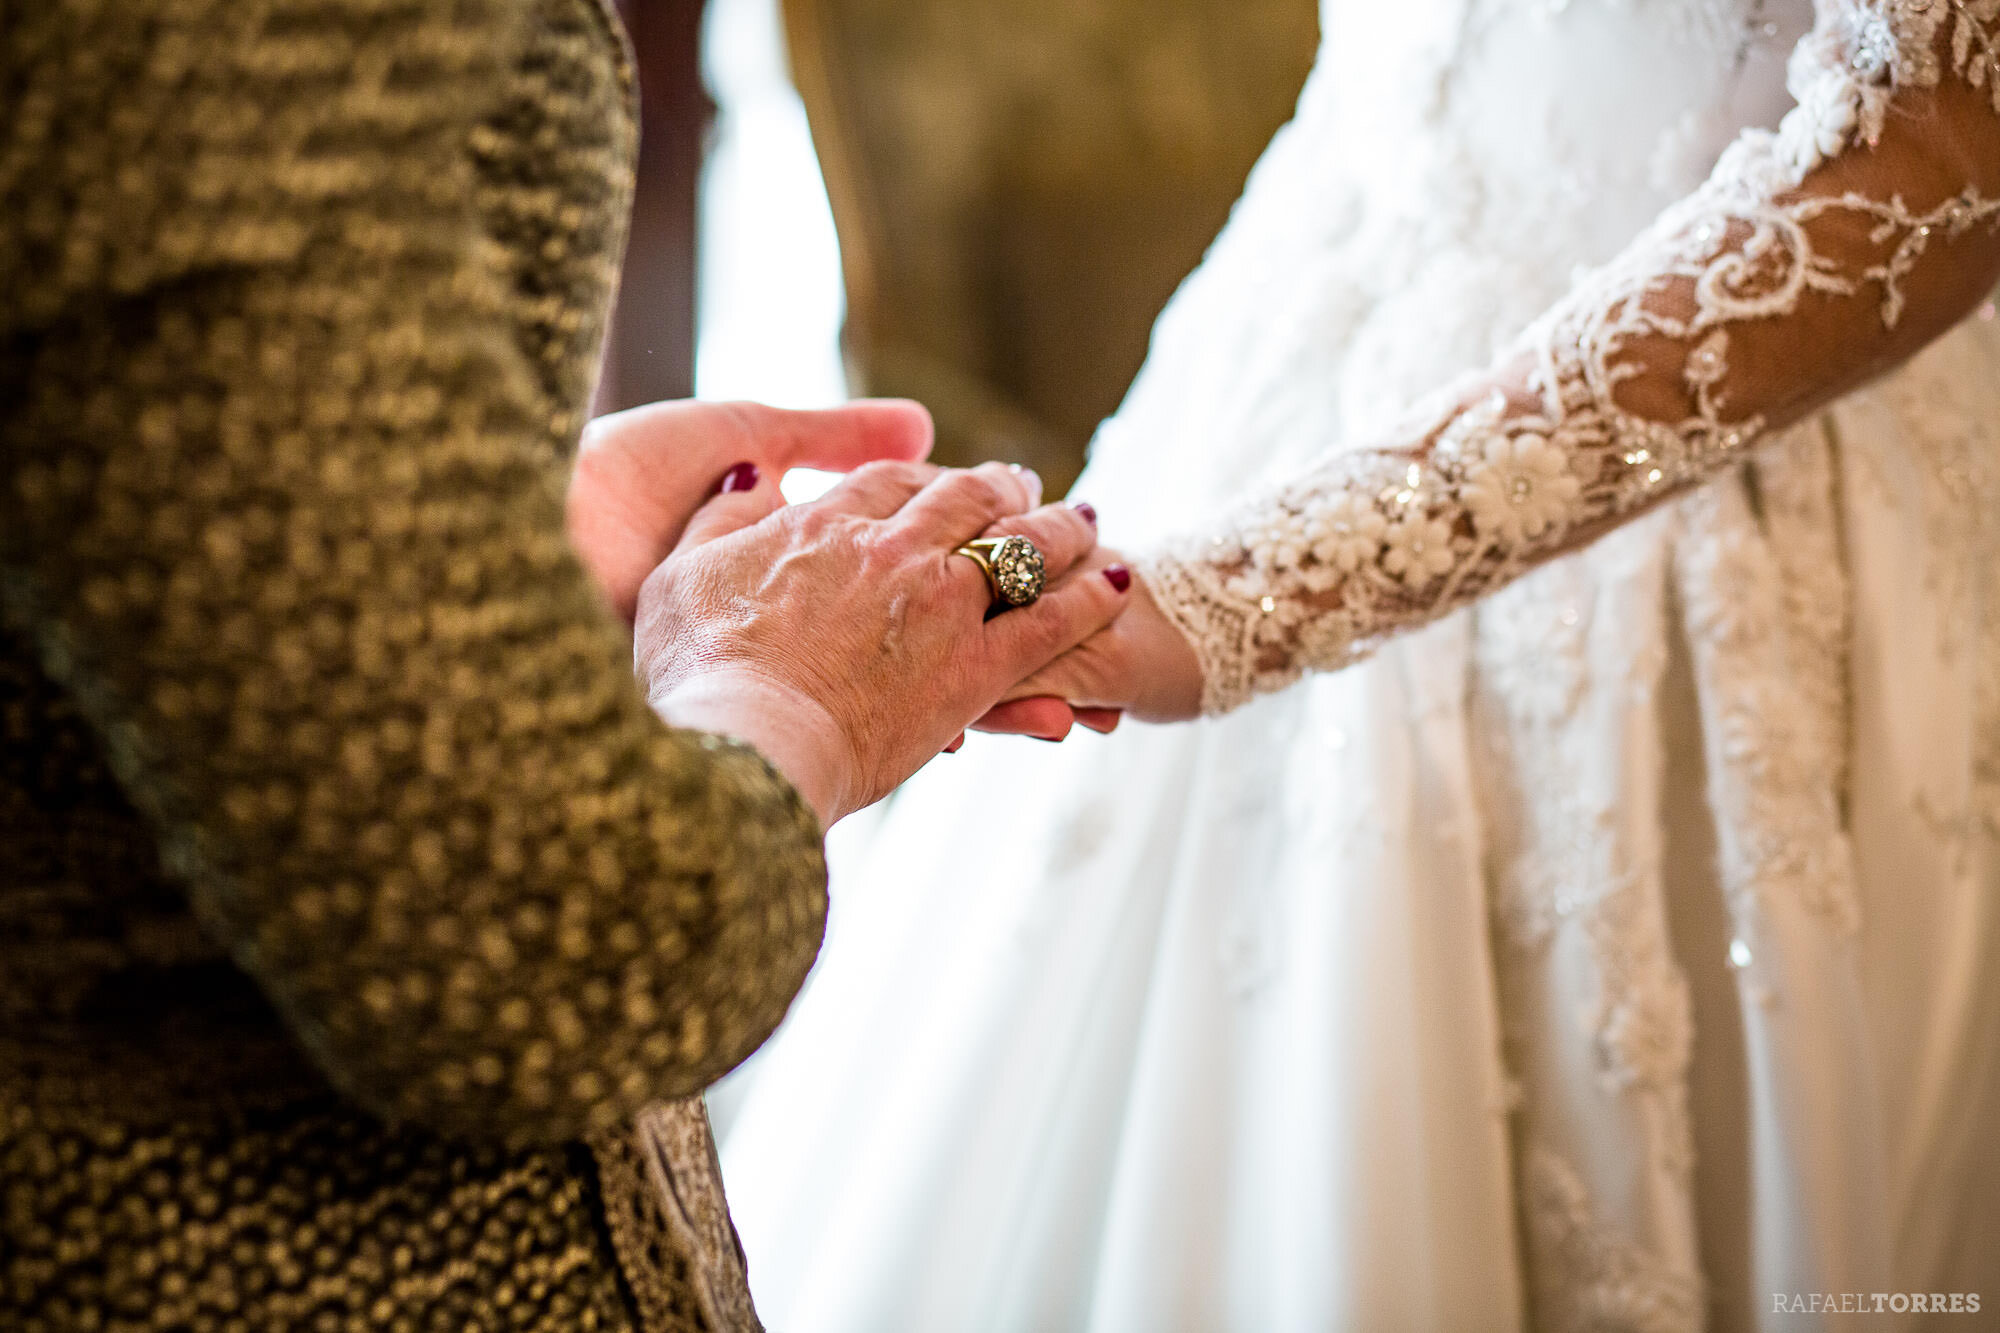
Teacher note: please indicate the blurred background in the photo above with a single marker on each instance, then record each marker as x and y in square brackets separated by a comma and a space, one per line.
[981, 204]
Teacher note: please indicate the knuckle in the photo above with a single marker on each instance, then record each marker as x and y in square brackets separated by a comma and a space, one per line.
[981, 491]
[900, 475]
[808, 523]
[874, 472]
[1007, 482]
[887, 469]
[1047, 527]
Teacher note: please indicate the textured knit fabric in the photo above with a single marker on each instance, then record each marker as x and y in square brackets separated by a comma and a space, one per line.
[334, 834]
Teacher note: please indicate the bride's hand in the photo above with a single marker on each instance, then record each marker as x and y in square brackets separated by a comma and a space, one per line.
[843, 638]
[1139, 664]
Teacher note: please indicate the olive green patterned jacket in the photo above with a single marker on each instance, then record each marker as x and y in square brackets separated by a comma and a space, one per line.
[324, 783]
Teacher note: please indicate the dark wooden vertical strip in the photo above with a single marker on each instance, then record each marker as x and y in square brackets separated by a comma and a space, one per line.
[650, 354]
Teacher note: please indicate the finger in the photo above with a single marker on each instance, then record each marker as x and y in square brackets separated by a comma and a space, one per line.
[1064, 534]
[878, 490]
[1060, 532]
[746, 494]
[841, 439]
[1103, 721]
[1021, 643]
[958, 506]
[1048, 718]
[1032, 479]
[1075, 675]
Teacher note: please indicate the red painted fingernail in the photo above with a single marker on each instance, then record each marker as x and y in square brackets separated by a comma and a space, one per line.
[1088, 510]
[1118, 577]
[742, 477]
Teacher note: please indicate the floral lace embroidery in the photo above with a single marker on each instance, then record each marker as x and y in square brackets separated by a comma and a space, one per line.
[1941, 475]
[1799, 486]
[1585, 952]
[1377, 541]
[1607, 1283]
[1773, 698]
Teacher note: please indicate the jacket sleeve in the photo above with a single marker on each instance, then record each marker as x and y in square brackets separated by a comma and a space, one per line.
[1815, 257]
[279, 507]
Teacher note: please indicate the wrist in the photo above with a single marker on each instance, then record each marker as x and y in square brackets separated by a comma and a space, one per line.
[797, 735]
[1176, 683]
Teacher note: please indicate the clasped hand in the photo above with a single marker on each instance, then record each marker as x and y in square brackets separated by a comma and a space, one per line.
[842, 637]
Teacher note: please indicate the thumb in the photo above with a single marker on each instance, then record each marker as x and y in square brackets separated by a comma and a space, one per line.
[841, 439]
[745, 495]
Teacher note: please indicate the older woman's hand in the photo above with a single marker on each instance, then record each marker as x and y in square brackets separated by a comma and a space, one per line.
[843, 638]
[640, 475]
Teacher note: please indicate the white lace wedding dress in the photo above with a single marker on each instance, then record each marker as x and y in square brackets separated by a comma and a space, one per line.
[1622, 951]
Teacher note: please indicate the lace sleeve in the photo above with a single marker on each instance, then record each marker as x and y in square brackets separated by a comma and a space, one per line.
[1815, 257]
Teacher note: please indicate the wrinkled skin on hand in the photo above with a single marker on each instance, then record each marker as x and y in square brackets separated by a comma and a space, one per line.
[843, 638]
[640, 475]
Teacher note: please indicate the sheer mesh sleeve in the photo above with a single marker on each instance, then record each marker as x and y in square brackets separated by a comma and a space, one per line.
[1816, 256]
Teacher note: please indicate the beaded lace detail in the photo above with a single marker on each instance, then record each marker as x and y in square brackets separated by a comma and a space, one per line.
[1570, 439]
[1611, 1284]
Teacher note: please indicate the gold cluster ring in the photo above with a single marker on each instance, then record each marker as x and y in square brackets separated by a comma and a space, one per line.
[1014, 569]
